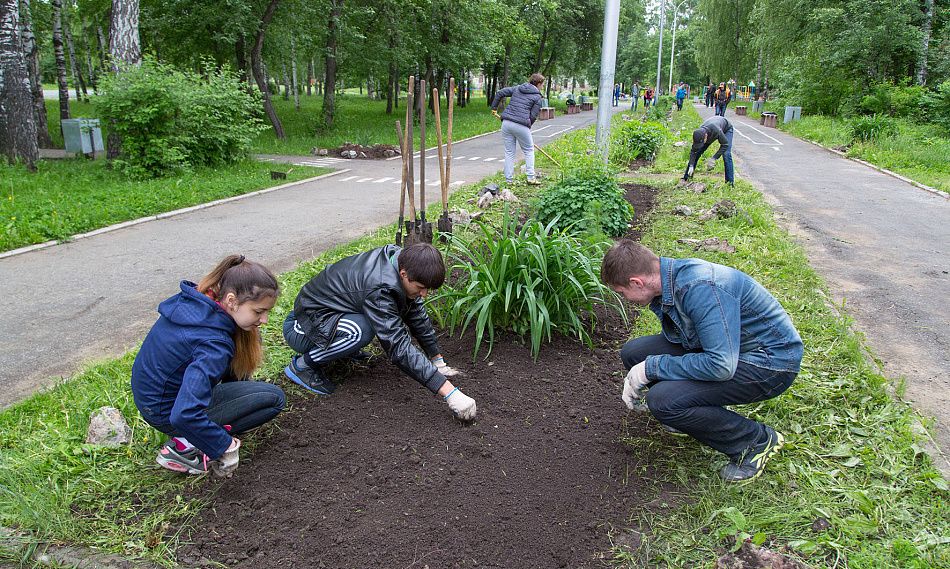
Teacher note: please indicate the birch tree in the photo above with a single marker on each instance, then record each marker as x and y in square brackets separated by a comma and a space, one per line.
[31, 55]
[17, 127]
[60, 60]
[124, 48]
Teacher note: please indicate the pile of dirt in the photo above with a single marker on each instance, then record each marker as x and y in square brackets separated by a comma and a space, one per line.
[381, 475]
[374, 152]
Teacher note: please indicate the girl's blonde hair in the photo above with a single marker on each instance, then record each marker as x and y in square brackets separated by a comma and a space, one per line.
[248, 281]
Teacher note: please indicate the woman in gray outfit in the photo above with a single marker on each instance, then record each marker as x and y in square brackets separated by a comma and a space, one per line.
[516, 121]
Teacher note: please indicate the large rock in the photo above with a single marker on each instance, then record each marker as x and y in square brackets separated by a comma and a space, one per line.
[107, 427]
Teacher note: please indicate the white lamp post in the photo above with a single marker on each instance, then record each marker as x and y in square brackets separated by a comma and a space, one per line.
[676, 12]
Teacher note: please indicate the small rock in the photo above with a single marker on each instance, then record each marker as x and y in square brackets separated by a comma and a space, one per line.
[696, 187]
[684, 210]
[681, 143]
[751, 556]
[484, 202]
[314, 150]
[493, 188]
[345, 154]
[389, 153]
[820, 524]
[507, 195]
[107, 427]
[323, 152]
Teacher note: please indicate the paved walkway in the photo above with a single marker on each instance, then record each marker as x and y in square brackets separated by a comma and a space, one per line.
[881, 244]
[97, 296]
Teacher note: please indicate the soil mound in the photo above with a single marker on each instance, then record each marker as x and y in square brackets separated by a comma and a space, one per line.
[374, 152]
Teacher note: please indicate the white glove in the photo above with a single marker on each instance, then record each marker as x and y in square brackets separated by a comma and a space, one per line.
[710, 163]
[635, 382]
[462, 405]
[228, 463]
[444, 369]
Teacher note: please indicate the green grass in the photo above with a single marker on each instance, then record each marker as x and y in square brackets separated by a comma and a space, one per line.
[67, 197]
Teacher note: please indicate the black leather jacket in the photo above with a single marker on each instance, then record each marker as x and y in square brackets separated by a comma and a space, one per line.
[368, 283]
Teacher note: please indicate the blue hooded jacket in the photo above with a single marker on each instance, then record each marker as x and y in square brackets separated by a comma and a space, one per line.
[186, 353]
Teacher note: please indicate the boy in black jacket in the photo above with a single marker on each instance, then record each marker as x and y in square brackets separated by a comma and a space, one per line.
[379, 294]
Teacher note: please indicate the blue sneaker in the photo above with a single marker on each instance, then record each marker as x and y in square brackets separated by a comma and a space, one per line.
[750, 464]
[308, 378]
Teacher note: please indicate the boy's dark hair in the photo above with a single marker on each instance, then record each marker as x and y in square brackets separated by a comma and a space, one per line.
[423, 264]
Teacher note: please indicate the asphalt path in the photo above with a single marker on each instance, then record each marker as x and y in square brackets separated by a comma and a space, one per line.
[881, 245]
[95, 297]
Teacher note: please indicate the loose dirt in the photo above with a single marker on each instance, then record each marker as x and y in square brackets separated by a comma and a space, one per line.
[374, 152]
[381, 475]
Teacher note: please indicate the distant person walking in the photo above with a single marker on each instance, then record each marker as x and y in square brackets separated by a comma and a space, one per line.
[647, 96]
[516, 121]
[710, 95]
[723, 94]
[680, 96]
[635, 91]
[616, 94]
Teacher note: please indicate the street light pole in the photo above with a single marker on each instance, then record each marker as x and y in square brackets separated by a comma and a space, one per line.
[676, 12]
[659, 54]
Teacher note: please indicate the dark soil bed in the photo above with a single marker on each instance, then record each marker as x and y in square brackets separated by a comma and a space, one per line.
[380, 475]
[374, 152]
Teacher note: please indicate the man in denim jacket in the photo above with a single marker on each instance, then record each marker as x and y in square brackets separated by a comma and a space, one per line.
[725, 341]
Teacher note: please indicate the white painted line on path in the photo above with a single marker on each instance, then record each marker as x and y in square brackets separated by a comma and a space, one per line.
[386, 179]
[774, 142]
[347, 179]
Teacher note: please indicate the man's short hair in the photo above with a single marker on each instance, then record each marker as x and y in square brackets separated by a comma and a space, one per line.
[626, 259]
[536, 79]
[423, 264]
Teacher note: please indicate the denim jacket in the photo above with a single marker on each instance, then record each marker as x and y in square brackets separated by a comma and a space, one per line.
[727, 315]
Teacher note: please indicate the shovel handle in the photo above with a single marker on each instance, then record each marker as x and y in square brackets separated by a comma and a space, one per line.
[548, 156]
[438, 137]
[448, 150]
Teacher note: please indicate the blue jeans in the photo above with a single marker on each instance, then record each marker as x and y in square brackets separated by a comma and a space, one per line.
[727, 158]
[698, 408]
[636, 100]
[720, 110]
[244, 405]
[514, 135]
[679, 104]
[353, 333]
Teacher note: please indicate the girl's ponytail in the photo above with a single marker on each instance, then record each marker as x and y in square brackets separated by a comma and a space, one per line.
[248, 281]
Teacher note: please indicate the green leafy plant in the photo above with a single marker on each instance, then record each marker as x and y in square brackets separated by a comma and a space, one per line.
[656, 114]
[170, 120]
[872, 127]
[634, 140]
[584, 196]
[532, 280]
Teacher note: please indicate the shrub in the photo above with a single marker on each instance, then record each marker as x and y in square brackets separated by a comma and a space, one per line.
[172, 120]
[633, 140]
[893, 100]
[534, 280]
[584, 198]
[656, 114]
[872, 127]
[937, 105]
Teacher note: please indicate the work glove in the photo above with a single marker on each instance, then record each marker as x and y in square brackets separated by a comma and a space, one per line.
[710, 163]
[689, 172]
[497, 116]
[461, 405]
[447, 371]
[634, 384]
[228, 463]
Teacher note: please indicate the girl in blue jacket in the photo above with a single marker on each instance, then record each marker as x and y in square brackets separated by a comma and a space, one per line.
[184, 379]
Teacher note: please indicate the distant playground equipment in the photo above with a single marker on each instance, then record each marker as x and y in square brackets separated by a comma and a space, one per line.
[746, 92]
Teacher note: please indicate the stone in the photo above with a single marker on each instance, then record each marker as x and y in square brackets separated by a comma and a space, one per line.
[507, 195]
[389, 153]
[696, 187]
[751, 556]
[683, 210]
[323, 152]
[107, 427]
[492, 188]
[484, 202]
[681, 143]
[314, 150]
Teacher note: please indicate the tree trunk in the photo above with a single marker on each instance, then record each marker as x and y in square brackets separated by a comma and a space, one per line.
[259, 75]
[537, 62]
[758, 68]
[925, 31]
[125, 51]
[102, 47]
[309, 77]
[504, 82]
[240, 55]
[17, 126]
[329, 89]
[60, 60]
[293, 73]
[283, 72]
[89, 70]
[71, 49]
[31, 56]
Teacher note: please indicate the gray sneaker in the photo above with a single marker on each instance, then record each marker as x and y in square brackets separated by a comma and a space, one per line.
[309, 378]
[191, 461]
[750, 464]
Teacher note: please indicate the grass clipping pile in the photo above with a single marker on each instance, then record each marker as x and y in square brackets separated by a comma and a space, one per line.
[381, 475]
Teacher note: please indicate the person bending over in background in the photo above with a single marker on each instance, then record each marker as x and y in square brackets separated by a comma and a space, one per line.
[516, 122]
[714, 128]
[378, 293]
[185, 376]
[725, 341]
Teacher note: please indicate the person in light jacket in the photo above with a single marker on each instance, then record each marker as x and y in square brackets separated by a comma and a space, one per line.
[516, 122]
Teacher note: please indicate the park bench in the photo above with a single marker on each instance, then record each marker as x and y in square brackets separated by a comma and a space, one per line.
[547, 112]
